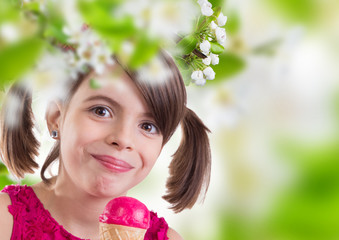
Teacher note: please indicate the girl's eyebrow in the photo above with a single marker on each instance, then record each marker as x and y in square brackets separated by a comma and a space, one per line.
[104, 98]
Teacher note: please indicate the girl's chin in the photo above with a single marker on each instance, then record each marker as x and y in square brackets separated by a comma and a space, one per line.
[107, 191]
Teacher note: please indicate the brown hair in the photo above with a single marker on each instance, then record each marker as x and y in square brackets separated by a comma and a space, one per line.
[18, 144]
[191, 163]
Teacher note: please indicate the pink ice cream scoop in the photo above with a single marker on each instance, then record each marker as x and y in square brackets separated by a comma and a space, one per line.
[124, 217]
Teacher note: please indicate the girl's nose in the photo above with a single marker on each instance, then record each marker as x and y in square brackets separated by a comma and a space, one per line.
[121, 137]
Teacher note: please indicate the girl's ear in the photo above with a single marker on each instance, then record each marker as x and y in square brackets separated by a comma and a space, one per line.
[53, 116]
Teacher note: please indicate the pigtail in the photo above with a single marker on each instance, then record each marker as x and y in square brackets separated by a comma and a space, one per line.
[18, 144]
[191, 164]
[52, 156]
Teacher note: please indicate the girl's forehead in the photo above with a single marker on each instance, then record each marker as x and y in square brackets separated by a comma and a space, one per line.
[113, 78]
[114, 83]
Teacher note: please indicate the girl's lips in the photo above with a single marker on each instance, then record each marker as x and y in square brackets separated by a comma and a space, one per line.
[113, 164]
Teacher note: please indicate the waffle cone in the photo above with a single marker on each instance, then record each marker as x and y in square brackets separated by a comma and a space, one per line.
[120, 232]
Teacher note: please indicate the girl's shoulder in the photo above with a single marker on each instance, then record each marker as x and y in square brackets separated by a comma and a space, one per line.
[173, 235]
[18, 194]
[6, 219]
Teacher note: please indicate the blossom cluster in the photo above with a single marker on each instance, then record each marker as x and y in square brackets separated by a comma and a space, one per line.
[161, 20]
[89, 51]
[212, 40]
[165, 19]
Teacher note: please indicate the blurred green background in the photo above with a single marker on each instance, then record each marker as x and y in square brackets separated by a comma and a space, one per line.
[274, 116]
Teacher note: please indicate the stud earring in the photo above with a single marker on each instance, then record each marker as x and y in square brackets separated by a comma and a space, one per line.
[54, 134]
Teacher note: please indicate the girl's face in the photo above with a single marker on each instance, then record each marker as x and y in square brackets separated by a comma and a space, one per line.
[109, 141]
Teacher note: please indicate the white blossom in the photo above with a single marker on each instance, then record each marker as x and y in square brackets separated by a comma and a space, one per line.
[139, 10]
[85, 53]
[213, 25]
[200, 82]
[207, 60]
[198, 78]
[75, 35]
[52, 74]
[127, 47]
[220, 33]
[200, 2]
[205, 47]
[100, 58]
[73, 63]
[221, 20]
[197, 75]
[214, 59]
[154, 72]
[209, 73]
[206, 8]
[170, 18]
[13, 110]
[90, 51]
[69, 10]
[9, 32]
[164, 19]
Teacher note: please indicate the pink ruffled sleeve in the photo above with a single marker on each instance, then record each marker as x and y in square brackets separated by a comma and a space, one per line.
[158, 228]
[31, 221]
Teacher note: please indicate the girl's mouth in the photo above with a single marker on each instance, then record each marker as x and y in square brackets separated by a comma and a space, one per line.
[113, 164]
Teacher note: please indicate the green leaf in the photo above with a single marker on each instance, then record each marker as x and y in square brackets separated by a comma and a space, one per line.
[94, 84]
[186, 75]
[32, 6]
[98, 14]
[229, 65]
[217, 3]
[187, 44]
[116, 32]
[180, 62]
[93, 13]
[17, 58]
[185, 70]
[8, 12]
[55, 31]
[216, 48]
[297, 11]
[104, 4]
[53, 24]
[145, 49]
[216, 11]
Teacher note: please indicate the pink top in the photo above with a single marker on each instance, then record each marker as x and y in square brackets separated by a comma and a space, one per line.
[32, 221]
[126, 211]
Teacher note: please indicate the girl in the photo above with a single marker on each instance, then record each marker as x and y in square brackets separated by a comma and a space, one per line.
[107, 141]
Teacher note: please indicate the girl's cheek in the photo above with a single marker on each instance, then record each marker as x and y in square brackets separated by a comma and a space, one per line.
[81, 128]
[90, 130]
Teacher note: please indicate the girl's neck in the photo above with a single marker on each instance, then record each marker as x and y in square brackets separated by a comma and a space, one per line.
[74, 209]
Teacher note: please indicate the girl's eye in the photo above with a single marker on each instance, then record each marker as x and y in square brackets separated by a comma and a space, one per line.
[149, 128]
[101, 111]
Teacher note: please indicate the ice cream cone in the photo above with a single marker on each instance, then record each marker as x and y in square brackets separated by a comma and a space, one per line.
[120, 232]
